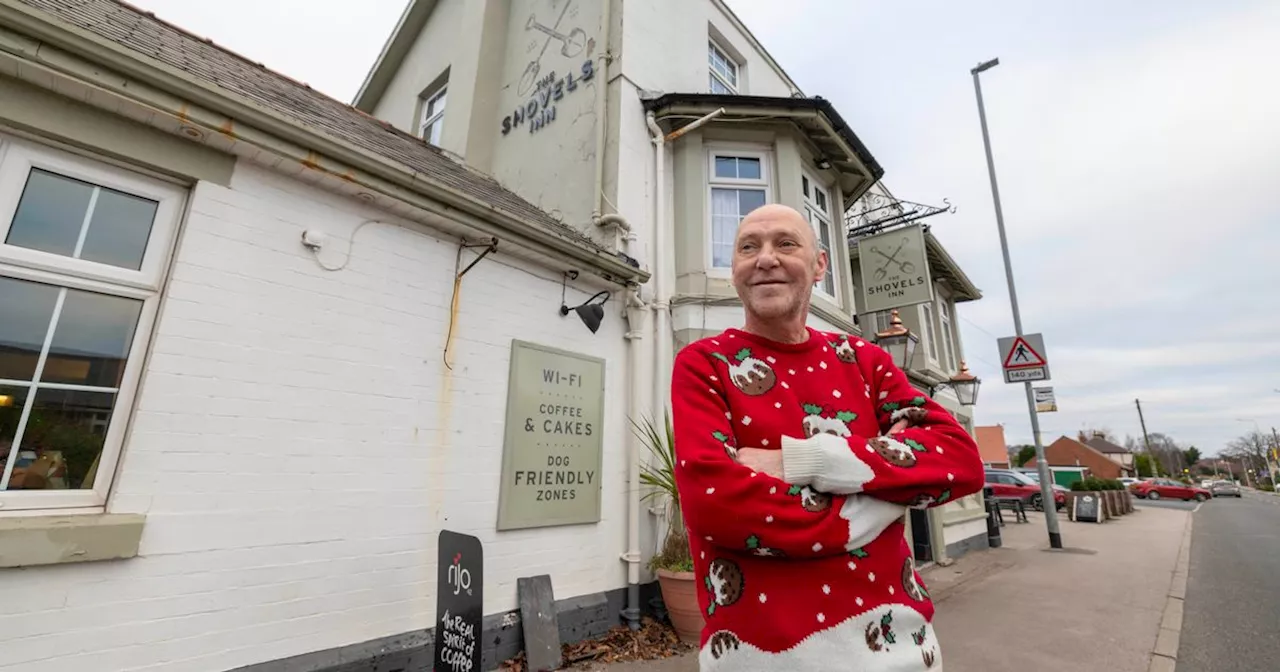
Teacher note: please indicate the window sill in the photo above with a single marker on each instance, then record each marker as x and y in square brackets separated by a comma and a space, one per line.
[61, 539]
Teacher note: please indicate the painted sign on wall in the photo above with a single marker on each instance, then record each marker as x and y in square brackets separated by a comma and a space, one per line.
[459, 603]
[540, 109]
[895, 269]
[554, 438]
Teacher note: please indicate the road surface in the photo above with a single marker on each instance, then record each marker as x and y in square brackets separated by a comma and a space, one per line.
[1233, 591]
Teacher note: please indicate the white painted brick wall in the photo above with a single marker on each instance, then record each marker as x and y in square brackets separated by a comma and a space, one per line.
[296, 449]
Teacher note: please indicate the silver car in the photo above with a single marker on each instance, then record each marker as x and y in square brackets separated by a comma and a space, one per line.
[1225, 489]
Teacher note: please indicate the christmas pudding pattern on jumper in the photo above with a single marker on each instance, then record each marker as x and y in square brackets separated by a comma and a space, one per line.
[889, 637]
[724, 580]
[750, 375]
[812, 500]
[844, 351]
[818, 420]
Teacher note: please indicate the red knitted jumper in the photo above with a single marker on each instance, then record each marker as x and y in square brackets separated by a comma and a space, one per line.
[812, 571]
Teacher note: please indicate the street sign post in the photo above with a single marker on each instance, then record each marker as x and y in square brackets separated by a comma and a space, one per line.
[1023, 358]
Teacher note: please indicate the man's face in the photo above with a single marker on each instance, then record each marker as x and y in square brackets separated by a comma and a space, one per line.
[776, 262]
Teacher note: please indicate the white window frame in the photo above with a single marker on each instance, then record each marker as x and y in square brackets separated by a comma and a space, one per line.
[715, 51]
[928, 327]
[765, 184]
[947, 334]
[825, 218]
[429, 117]
[17, 158]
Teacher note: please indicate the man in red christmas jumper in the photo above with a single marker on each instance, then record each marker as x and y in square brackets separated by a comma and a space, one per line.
[798, 453]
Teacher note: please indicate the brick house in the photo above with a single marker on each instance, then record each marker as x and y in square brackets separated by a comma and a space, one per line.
[992, 446]
[1069, 452]
[1115, 453]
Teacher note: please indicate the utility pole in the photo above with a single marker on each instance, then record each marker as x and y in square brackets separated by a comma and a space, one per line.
[1146, 440]
[1042, 465]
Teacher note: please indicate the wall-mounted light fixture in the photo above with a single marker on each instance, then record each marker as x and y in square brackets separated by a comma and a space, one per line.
[822, 162]
[592, 314]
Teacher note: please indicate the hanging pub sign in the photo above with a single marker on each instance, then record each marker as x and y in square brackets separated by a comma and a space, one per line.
[552, 450]
[895, 269]
[540, 109]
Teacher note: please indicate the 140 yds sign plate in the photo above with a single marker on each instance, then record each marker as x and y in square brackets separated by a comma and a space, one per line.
[1023, 358]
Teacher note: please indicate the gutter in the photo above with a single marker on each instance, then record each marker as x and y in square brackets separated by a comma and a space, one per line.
[225, 113]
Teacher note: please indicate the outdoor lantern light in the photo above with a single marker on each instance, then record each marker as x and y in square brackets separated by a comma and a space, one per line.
[898, 341]
[965, 385]
[592, 314]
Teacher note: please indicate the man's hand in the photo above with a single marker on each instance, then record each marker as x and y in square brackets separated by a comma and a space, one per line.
[767, 462]
[899, 426]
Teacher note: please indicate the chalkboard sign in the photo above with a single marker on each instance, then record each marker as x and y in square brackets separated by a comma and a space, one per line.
[459, 603]
[1087, 508]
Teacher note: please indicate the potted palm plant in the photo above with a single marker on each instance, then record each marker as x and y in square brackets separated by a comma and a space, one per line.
[673, 563]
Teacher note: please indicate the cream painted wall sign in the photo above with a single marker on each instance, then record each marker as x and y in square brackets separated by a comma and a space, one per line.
[553, 446]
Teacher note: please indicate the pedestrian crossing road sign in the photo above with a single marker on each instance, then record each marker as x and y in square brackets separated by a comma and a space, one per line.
[1023, 358]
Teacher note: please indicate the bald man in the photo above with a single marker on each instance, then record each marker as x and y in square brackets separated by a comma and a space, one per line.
[798, 453]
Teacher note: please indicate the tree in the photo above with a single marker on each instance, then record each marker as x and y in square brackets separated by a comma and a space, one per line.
[1191, 455]
[1250, 449]
[1142, 462]
[1025, 454]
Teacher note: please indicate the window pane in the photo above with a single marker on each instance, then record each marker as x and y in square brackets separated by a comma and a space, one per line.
[12, 399]
[930, 336]
[748, 169]
[748, 200]
[25, 310]
[726, 166]
[92, 339]
[820, 197]
[437, 103]
[119, 230]
[50, 214]
[724, 226]
[62, 440]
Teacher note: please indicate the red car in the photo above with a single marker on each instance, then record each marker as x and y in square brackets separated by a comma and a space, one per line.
[1015, 485]
[1164, 487]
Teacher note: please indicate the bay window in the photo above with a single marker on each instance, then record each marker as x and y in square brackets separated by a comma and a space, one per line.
[739, 184]
[946, 335]
[83, 246]
[817, 209]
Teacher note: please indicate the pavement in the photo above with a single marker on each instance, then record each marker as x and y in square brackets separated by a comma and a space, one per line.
[1098, 604]
[1231, 608]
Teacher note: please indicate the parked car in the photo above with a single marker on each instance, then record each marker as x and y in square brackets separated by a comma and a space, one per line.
[1129, 480]
[1164, 487]
[1034, 476]
[1009, 483]
[1225, 489]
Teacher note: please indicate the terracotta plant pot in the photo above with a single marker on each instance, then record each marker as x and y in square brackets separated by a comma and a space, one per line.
[680, 594]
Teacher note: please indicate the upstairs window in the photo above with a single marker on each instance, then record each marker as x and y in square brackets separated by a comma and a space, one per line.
[724, 71]
[817, 209]
[432, 123]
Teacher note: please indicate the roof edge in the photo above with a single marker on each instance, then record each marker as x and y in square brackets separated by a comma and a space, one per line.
[746, 32]
[101, 54]
[397, 46]
[816, 104]
[970, 290]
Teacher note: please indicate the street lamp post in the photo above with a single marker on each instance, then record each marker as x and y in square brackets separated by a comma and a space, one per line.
[1046, 484]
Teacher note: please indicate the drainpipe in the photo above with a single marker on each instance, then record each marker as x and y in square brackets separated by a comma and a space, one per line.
[601, 111]
[661, 258]
[637, 321]
[621, 228]
[661, 294]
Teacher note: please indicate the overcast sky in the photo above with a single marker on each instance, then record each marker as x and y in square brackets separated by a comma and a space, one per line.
[1138, 151]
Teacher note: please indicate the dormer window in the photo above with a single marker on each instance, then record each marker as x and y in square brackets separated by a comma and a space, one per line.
[724, 71]
[432, 123]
